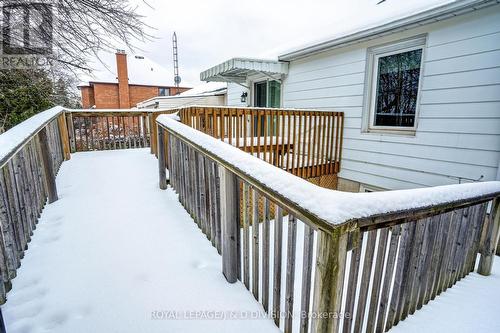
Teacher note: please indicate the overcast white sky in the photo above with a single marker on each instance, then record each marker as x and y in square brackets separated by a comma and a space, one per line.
[212, 31]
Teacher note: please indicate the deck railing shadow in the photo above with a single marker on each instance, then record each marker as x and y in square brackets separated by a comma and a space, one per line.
[378, 257]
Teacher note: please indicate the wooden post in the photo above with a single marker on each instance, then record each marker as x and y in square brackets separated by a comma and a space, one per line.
[229, 198]
[329, 279]
[491, 240]
[306, 278]
[161, 158]
[71, 132]
[50, 178]
[63, 132]
[152, 138]
[290, 272]
[278, 243]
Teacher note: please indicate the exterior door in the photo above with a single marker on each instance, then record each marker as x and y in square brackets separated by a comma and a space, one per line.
[267, 94]
[260, 94]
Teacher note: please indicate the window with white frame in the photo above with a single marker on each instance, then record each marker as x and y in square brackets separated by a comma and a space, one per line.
[394, 85]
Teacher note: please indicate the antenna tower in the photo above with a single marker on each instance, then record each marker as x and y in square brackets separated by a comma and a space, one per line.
[177, 78]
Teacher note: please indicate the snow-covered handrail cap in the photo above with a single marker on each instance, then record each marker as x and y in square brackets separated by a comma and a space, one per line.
[333, 207]
[17, 136]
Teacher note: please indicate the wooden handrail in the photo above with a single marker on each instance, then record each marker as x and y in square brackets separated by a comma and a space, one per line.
[392, 214]
[393, 218]
[304, 142]
[431, 245]
[80, 113]
[32, 153]
[295, 208]
[18, 140]
[104, 129]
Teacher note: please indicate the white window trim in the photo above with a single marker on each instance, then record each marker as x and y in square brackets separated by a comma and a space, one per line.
[369, 188]
[373, 54]
[252, 90]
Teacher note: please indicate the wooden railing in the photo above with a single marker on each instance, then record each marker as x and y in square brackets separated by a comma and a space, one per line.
[30, 156]
[306, 143]
[409, 259]
[108, 129]
[154, 133]
[378, 258]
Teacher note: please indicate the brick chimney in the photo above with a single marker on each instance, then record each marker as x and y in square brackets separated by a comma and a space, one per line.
[123, 89]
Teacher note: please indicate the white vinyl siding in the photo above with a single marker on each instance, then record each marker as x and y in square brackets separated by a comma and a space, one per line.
[234, 92]
[458, 123]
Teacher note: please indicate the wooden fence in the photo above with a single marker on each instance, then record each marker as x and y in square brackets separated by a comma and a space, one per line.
[27, 183]
[365, 274]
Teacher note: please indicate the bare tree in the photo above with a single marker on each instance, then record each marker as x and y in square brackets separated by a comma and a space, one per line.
[74, 31]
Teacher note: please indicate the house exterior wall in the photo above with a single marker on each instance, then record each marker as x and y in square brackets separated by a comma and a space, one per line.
[458, 120]
[458, 129]
[141, 93]
[234, 92]
[123, 94]
[106, 95]
[175, 91]
[177, 102]
[87, 96]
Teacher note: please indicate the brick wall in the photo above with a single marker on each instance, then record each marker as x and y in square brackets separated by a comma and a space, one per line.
[106, 95]
[141, 93]
[121, 95]
[175, 91]
[87, 96]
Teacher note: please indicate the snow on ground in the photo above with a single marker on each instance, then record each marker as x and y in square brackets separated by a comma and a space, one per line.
[114, 250]
[471, 305]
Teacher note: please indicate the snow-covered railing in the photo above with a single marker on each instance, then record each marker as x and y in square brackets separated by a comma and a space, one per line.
[378, 256]
[106, 129]
[30, 156]
[304, 142]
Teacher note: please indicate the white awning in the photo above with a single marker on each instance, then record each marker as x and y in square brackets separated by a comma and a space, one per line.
[238, 69]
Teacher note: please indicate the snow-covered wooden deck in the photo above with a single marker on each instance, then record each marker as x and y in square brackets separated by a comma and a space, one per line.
[114, 250]
[117, 254]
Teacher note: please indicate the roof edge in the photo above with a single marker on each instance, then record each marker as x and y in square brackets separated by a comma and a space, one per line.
[218, 92]
[131, 84]
[432, 15]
